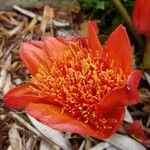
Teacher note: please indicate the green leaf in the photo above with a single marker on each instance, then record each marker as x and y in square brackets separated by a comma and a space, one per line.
[100, 5]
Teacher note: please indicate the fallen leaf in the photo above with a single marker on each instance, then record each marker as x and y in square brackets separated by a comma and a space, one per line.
[100, 146]
[54, 135]
[124, 142]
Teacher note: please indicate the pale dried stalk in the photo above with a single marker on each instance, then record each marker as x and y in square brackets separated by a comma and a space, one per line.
[30, 144]
[7, 84]
[15, 139]
[27, 13]
[48, 14]
[27, 125]
[32, 24]
[3, 72]
[82, 145]
[16, 29]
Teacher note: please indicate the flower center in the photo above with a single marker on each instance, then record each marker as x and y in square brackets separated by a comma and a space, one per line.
[77, 80]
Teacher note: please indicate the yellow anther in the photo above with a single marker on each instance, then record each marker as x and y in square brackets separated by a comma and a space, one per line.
[95, 77]
[86, 121]
[82, 77]
[93, 66]
[112, 64]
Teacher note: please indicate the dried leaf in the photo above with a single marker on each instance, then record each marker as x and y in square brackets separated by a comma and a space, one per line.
[47, 146]
[112, 148]
[54, 135]
[128, 116]
[124, 142]
[100, 146]
[147, 76]
[61, 22]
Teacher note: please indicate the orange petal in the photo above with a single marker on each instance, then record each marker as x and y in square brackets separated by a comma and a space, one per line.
[136, 130]
[53, 117]
[130, 91]
[54, 47]
[19, 97]
[70, 40]
[94, 25]
[33, 57]
[81, 40]
[127, 95]
[39, 44]
[119, 49]
[93, 40]
[141, 17]
[133, 82]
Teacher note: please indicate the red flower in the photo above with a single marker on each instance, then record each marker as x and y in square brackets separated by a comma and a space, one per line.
[77, 86]
[141, 16]
[135, 129]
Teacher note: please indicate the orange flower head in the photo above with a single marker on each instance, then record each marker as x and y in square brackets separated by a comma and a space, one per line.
[76, 85]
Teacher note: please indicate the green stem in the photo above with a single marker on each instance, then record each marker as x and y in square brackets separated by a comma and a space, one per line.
[129, 22]
[146, 58]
